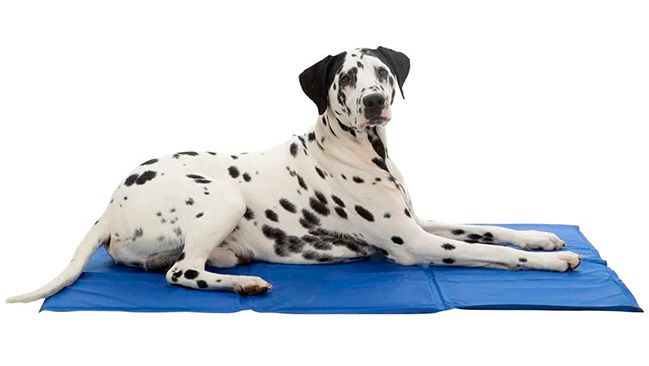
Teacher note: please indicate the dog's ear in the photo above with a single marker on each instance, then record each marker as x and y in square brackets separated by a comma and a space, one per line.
[317, 79]
[398, 63]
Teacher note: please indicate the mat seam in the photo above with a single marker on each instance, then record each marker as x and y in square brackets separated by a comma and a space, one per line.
[433, 276]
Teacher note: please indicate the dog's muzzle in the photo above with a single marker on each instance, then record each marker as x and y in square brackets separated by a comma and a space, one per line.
[375, 109]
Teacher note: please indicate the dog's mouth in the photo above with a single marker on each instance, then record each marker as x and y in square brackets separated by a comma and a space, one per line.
[376, 119]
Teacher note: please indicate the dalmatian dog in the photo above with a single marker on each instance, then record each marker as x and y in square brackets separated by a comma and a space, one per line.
[330, 195]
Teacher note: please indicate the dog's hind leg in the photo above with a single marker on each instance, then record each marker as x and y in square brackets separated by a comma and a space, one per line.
[215, 223]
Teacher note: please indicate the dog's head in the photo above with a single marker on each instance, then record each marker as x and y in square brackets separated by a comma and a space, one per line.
[357, 86]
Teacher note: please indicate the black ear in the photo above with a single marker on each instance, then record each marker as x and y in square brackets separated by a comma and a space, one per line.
[317, 79]
[398, 63]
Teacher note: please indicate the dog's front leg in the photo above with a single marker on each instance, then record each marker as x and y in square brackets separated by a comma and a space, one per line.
[526, 239]
[421, 247]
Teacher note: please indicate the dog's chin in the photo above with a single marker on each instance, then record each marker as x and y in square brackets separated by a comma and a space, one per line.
[378, 121]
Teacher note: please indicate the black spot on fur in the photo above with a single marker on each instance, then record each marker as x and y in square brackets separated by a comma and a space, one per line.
[138, 233]
[271, 215]
[387, 215]
[341, 212]
[337, 200]
[382, 251]
[407, 212]
[376, 142]
[301, 182]
[188, 153]
[448, 260]
[397, 240]
[318, 257]
[190, 274]
[321, 197]
[273, 232]
[358, 179]
[311, 136]
[475, 236]
[249, 215]
[189, 202]
[341, 239]
[320, 173]
[364, 213]
[145, 177]
[458, 232]
[448, 246]
[522, 260]
[130, 180]
[234, 157]
[309, 219]
[198, 215]
[488, 235]
[294, 244]
[345, 128]
[201, 284]
[177, 274]
[162, 261]
[181, 257]
[293, 149]
[198, 178]
[380, 162]
[234, 172]
[302, 141]
[287, 205]
[149, 162]
[246, 177]
[318, 206]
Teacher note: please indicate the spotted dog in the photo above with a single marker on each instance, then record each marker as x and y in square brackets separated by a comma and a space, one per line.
[330, 195]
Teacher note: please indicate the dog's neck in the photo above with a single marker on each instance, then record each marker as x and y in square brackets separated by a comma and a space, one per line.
[364, 149]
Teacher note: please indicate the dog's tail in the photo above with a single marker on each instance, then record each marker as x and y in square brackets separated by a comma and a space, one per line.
[96, 237]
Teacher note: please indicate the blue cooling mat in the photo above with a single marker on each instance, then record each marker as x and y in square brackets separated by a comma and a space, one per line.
[369, 286]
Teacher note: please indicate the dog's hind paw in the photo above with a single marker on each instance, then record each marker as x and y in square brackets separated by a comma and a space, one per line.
[251, 286]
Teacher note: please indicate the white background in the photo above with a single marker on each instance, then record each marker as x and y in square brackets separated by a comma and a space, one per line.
[516, 111]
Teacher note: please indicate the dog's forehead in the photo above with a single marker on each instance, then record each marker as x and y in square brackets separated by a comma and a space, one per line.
[360, 58]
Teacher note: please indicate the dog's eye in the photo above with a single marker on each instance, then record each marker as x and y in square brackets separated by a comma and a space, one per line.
[383, 72]
[345, 80]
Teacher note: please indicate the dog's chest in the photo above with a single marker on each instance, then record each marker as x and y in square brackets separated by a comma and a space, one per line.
[301, 209]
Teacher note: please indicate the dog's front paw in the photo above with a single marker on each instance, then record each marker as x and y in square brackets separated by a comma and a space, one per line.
[532, 239]
[563, 261]
[251, 285]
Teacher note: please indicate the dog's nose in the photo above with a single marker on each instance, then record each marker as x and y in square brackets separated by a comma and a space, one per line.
[374, 101]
